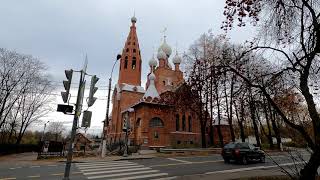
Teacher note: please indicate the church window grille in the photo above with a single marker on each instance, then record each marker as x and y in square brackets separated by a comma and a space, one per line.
[156, 122]
[183, 123]
[177, 122]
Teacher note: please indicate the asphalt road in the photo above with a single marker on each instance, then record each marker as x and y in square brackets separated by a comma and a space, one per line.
[155, 168]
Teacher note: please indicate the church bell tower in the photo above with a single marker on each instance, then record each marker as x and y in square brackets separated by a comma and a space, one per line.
[130, 62]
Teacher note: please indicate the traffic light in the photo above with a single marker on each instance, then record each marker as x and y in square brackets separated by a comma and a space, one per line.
[86, 119]
[64, 108]
[93, 90]
[67, 84]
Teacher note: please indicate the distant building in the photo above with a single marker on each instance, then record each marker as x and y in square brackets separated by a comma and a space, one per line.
[81, 143]
[154, 121]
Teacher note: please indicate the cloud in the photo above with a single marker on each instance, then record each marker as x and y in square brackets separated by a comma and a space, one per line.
[60, 32]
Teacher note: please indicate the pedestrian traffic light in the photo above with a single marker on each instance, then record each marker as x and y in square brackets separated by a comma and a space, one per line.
[86, 119]
[93, 90]
[67, 85]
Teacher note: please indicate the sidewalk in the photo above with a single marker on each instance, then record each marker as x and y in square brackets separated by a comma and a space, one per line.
[30, 158]
[111, 158]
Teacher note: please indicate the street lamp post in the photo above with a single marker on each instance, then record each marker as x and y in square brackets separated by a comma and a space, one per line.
[106, 121]
[44, 129]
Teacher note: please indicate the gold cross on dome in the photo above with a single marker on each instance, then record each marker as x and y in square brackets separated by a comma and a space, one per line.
[164, 32]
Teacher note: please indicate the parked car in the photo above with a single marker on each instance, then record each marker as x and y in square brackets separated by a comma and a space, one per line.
[242, 152]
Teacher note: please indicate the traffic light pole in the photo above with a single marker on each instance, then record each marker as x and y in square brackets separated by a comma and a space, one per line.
[74, 126]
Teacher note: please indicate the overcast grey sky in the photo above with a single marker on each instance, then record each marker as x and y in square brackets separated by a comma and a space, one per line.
[60, 32]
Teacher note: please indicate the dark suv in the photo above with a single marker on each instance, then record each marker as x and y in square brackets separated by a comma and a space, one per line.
[242, 152]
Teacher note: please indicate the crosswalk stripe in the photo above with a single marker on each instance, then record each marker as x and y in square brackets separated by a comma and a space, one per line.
[108, 165]
[115, 171]
[120, 170]
[166, 178]
[90, 162]
[142, 176]
[87, 164]
[111, 168]
[124, 174]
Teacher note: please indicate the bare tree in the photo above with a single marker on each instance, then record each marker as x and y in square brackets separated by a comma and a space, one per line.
[292, 30]
[24, 94]
[56, 128]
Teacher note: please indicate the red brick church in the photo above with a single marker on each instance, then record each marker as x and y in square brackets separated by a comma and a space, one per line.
[154, 121]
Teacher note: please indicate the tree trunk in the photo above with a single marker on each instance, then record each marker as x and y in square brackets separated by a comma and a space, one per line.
[211, 135]
[253, 118]
[274, 126]
[203, 136]
[219, 118]
[269, 136]
[310, 169]
[229, 108]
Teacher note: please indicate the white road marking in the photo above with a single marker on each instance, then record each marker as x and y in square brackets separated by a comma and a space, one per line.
[111, 168]
[142, 176]
[122, 170]
[34, 166]
[131, 173]
[101, 166]
[252, 168]
[179, 160]
[166, 178]
[116, 171]
[103, 162]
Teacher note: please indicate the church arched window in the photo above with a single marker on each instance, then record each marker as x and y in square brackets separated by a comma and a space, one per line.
[177, 122]
[184, 123]
[126, 62]
[156, 122]
[134, 50]
[190, 123]
[134, 63]
[127, 50]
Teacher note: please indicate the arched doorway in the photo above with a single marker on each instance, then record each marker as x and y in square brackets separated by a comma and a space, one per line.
[156, 132]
